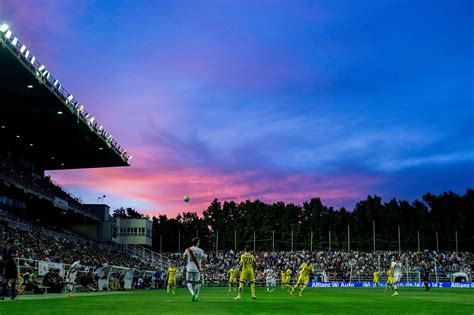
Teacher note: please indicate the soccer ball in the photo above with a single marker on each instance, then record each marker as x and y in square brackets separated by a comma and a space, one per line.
[186, 199]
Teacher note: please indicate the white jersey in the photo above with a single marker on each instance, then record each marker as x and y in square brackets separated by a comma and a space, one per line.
[397, 268]
[71, 276]
[198, 254]
[270, 274]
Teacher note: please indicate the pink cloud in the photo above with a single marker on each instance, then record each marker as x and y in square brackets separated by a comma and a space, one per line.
[163, 184]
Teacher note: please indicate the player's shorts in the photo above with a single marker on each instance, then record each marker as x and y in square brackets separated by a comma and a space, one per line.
[233, 280]
[271, 281]
[390, 280]
[247, 275]
[172, 280]
[193, 276]
[71, 279]
[302, 281]
[396, 278]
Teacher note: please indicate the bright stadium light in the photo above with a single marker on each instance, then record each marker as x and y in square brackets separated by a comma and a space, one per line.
[33, 60]
[14, 41]
[40, 68]
[27, 53]
[4, 28]
[69, 98]
[22, 48]
[8, 34]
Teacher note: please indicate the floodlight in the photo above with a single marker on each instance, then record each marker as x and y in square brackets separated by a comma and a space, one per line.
[4, 28]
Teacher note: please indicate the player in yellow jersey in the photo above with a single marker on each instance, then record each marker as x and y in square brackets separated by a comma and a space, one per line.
[288, 277]
[171, 279]
[232, 278]
[247, 260]
[389, 279]
[283, 279]
[376, 279]
[305, 270]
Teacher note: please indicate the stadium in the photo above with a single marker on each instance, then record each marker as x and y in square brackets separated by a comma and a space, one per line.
[72, 257]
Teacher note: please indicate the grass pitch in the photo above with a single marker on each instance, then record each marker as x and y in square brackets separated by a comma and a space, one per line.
[220, 301]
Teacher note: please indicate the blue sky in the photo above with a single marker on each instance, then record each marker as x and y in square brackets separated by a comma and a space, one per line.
[276, 100]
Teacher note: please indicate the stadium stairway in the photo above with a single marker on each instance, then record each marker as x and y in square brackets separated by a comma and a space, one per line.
[148, 256]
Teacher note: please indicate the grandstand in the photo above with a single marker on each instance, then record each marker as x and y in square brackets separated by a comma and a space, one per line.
[43, 127]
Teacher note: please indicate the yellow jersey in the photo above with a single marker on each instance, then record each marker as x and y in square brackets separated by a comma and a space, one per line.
[305, 270]
[171, 272]
[288, 272]
[246, 261]
[376, 276]
[390, 273]
[232, 273]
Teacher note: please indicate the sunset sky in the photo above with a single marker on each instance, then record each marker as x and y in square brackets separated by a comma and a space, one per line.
[275, 100]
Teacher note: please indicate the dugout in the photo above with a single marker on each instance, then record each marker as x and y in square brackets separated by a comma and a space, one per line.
[459, 277]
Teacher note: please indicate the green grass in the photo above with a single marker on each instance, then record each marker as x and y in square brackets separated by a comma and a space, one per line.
[219, 301]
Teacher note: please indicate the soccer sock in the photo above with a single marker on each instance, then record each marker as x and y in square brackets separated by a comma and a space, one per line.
[190, 287]
[252, 287]
[241, 288]
[196, 289]
[168, 288]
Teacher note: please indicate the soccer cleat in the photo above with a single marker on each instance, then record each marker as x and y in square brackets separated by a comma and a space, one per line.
[238, 297]
[292, 293]
[301, 293]
[254, 297]
[396, 293]
[193, 298]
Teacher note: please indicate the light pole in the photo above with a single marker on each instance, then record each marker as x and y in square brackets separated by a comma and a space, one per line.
[101, 198]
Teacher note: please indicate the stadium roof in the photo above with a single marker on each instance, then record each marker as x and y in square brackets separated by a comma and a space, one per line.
[43, 121]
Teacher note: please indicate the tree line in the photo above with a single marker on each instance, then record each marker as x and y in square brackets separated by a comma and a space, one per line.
[435, 221]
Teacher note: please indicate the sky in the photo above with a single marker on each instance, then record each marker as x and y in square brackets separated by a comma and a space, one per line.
[270, 100]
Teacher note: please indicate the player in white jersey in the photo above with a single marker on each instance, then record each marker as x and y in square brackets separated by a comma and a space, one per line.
[71, 277]
[396, 266]
[195, 263]
[270, 279]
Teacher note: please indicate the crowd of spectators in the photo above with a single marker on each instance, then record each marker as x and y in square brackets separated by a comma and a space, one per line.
[43, 184]
[34, 245]
[338, 265]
